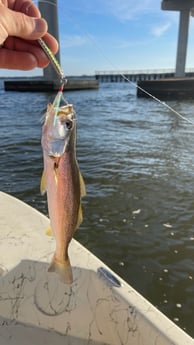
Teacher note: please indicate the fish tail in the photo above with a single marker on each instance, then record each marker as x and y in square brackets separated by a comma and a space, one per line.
[63, 269]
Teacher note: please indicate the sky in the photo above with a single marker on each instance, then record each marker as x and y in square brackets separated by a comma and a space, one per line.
[104, 35]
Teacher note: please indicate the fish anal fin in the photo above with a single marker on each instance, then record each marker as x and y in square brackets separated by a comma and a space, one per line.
[63, 269]
[43, 183]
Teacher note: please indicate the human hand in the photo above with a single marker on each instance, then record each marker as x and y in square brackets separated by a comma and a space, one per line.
[21, 26]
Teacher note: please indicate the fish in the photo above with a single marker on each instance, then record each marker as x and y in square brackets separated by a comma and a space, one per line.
[63, 183]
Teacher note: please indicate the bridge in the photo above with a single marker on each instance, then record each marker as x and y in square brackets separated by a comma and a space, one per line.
[138, 75]
[186, 10]
[49, 10]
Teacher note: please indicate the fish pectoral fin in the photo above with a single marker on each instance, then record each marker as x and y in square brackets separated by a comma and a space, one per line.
[49, 232]
[43, 183]
[50, 109]
[82, 185]
[63, 269]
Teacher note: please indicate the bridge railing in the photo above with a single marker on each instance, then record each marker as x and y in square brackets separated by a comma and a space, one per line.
[141, 71]
[136, 75]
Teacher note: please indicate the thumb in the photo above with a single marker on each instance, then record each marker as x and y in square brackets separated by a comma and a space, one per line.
[20, 25]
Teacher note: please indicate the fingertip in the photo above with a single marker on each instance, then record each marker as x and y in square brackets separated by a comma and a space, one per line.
[51, 42]
[41, 26]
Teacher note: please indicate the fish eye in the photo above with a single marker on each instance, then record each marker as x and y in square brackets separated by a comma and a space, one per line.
[68, 124]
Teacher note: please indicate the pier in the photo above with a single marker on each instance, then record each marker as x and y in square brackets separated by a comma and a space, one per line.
[167, 89]
[41, 85]
[138, 75]
[161, 83]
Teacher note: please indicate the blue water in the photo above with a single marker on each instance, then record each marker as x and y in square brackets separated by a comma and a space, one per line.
[137, 159]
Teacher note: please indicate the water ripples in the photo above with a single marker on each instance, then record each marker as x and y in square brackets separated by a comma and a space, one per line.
[137, 160]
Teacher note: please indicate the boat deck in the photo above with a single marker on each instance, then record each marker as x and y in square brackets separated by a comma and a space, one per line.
[99, 308]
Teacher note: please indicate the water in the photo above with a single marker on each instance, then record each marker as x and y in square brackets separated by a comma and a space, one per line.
[137, 159]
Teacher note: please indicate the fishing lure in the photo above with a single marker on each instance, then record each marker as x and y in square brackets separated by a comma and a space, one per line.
[53, 61]
[56, 65]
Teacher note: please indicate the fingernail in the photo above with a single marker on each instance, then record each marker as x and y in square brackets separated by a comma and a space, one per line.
[40, 26]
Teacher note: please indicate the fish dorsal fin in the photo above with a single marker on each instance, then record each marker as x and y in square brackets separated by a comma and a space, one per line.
[82, 185]
[43, 183]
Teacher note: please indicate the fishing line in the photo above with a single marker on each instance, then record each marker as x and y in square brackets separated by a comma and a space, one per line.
[99, 50]
[134, 84]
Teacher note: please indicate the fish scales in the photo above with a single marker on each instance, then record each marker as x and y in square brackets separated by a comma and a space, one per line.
[63, 183]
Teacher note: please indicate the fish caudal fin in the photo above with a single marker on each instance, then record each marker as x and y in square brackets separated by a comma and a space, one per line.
[63, 269]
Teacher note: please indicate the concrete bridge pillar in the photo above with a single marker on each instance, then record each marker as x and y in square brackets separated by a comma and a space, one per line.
[185, 7]
[182, 43]
[49, 11]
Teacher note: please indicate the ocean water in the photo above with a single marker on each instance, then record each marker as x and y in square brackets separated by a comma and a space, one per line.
[137, 159]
